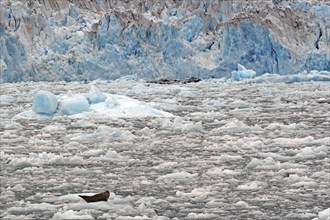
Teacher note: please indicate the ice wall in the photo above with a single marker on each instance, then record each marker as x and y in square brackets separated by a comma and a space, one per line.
[86, 40]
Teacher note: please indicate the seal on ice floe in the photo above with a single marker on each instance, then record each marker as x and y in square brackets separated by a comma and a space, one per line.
[97, 197]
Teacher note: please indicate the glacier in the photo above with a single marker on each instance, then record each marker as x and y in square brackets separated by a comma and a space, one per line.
[84, 41]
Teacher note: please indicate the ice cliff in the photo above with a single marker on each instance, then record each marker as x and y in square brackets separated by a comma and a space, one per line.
[86, 40]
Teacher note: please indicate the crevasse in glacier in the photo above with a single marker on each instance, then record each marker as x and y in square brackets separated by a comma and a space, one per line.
[49, 41]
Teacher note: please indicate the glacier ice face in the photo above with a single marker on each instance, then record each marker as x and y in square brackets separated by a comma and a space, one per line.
[45, 103]
[253, 46]
[44, 41]
[318, 10]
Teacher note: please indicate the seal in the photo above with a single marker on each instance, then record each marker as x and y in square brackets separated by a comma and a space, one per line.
[97, 197]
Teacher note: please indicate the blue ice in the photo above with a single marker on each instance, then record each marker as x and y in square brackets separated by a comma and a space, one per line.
[45, 103]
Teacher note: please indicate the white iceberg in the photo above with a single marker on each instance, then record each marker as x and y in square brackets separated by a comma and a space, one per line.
[74, 104]
[95, 95]
[242, 73]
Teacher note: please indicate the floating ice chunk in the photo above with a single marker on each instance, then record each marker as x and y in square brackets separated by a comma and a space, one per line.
[95, 95]
[242, 204]
[295, 180]
[324, 215]
[174, 90]
[78, 171]
[242, 73]
[215, 204]
[20, 164]
[93, 152]
[166, 165]
[293, 78]
[55, 128]
[254, 185]
[177, 176]
[179, 126]
[56, 159]
[234, 125]
[270, 164]
[201, 216]
[209, 114]
[69, 198]
[14, 126]
[74, 104]
[313, 153]
[218, 171]
[304, 215]
[111, 131]
[76, 160]
[111, 102]
[292, 142]
[189, 93]
[193, 127]
[70, 214]
[274, 156]
[102, 133]
[36, 159]
[102, 205]
[45, 103]
[6, 99]
[18, 187]
[143, 132]
[47, 158]
[17, 217]
[239, 104]
[280, 126]
[196, 195]
[118, 106]
[132, 218]
[111, 156]
[142, 209]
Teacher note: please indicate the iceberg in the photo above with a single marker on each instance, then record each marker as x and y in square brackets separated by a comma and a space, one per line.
[74, 104]
[95, 95]
[45, 103]
[242, 73]
[95, 104]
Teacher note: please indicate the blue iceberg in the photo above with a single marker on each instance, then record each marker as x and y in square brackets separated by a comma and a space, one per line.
[45, 103]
